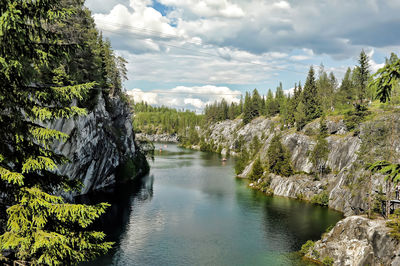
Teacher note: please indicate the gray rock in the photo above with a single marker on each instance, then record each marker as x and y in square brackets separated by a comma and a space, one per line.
[359, 241]
[99, 142]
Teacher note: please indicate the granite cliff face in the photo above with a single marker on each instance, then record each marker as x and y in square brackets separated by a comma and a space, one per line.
[170, 138]
[101, 144]
[355, 240]
[358, 241]
[344, 184]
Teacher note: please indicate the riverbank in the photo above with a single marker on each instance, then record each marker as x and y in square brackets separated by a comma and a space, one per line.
[195, 213]
[344, 187]
[169, 138]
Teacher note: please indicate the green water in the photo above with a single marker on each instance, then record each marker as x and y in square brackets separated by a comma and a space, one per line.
[191, 210]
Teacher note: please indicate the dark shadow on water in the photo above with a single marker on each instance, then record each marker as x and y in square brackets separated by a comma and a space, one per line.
[122, 198]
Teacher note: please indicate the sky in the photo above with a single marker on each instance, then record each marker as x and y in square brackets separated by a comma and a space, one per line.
[189, 53]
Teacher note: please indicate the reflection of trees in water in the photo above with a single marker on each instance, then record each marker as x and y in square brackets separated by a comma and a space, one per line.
[122, 199]
[289, 222]
[296, 222]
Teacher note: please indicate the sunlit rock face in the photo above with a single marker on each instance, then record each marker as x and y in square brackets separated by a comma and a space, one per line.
[343, 154]
[99, 143]
[358, 241]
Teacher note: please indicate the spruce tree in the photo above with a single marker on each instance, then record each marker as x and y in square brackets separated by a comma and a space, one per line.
[346, 91]
[271, 104]
[247, 109]
[257, 170]
[256, 103]
[310, 99]
[279, 158]
[41, 227]
[362, 77]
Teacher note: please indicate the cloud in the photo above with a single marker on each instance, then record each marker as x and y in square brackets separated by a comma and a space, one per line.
[250, 43]
[183, 97]
[139, 96]
[373, 66]
[289, 91]
[207, 8]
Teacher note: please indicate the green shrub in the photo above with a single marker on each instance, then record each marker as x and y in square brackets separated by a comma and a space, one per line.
[321, 199]
[305, 248]
[354, 118]
[328, 261]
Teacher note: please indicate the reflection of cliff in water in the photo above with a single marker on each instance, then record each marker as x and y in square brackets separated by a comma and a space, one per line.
[123, 199]
[289, 222]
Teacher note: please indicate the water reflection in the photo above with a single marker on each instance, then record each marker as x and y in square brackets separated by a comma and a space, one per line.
[191, 210]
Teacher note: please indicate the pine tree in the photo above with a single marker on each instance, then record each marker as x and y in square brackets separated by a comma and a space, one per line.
[320, 153]
[300, 116]
[257, 170]
[41, 228]
[346, 91]
[271, 104]
[256, 103]
[279, 96]
[279, 158]
[247, 109]
[362, 77]
[310, 99]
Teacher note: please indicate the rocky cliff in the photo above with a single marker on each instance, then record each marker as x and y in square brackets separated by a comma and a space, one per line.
[171, 138]
[347, 181]
[358, 241]
[101, 147]
[355, 240]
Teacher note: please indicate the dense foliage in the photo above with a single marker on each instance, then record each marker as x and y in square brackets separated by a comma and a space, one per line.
[157, 120]
[279, 158]
[50, 55]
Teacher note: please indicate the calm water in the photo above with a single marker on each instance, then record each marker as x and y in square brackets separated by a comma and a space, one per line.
[191, 210]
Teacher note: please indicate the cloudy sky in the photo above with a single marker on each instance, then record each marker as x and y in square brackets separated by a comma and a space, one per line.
[187, 53]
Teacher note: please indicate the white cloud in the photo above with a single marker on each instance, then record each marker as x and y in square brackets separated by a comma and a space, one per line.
[300, 57]
[207, 8]
[289, 91]
[373, 66]
[282, 4]
[139, 96]
[183, 97]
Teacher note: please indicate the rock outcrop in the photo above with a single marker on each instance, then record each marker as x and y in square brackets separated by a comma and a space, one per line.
[358, 241]
[355, 240]
[101, 144]
[170, 138]
[346, 182]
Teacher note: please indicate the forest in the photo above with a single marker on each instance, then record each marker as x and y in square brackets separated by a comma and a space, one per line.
[322, 94]
[54, 64]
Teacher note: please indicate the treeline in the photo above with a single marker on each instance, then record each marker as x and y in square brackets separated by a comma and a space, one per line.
[320, 94]
[157, 120]
[50, 55]
[90, 59]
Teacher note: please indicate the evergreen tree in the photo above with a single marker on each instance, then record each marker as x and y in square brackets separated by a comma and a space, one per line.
[241, 161]
[279, 158]
[325, 89]
[320, 153]
[257, 170]
[300, 116]
[41, 227]
[346, 91]
[362, 77]
[247, 109]
[271, 105]
[310, 99]
[256, 103]
[279, 96]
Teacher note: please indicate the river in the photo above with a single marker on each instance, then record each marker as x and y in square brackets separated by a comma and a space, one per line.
[191, 210]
